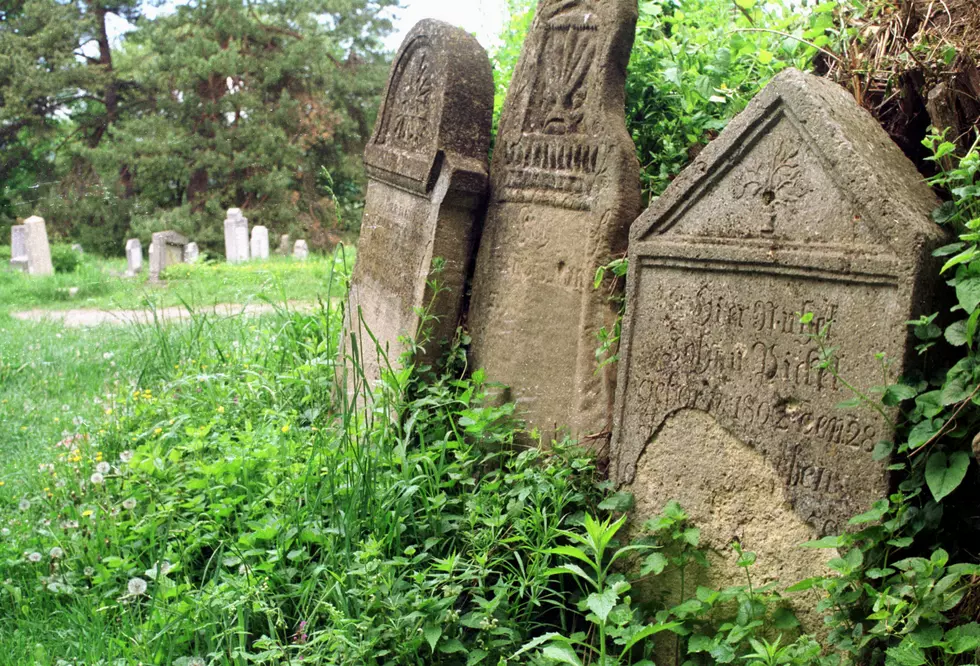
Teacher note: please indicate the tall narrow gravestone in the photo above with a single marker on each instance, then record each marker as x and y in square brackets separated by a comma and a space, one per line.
[259, 244]
[565, 187]
[801, 218]
[134, 256]
[301, 250]
[192, 253]
[38, 249]
[427, 165]
[18, 247]
[236, 236]
[166, 250]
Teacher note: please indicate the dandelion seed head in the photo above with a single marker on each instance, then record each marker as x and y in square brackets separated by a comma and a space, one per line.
[34, 557]
[96, 479]
[56, 553]
[24, 505]
[129, 504]
[136, 587]
[103, 468]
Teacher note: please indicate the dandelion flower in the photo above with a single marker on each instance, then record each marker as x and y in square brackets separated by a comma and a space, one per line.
[126, 456]
[96, 479]
[103, 468]
[285, 429]
[24, 505]
[34, 557]
[56, 553]
[87, 513]
[136, 587]
[129, 504]
[221, 410]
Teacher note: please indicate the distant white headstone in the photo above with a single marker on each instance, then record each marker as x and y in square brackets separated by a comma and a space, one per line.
[18, 247]
[284, 243]
[191, 253]
[260, 243]
[300, 250]
[38, 250]
[77, 248]
[236, 236]
[134, 256]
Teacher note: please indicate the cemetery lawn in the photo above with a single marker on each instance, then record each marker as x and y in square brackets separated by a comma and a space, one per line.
[204, 284]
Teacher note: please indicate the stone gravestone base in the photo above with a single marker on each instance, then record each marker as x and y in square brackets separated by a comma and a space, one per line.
[565, 186]
[427, 165]
[167, 249]
[803, 206]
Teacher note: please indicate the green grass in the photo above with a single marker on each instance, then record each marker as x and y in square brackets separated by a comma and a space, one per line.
[100, 286]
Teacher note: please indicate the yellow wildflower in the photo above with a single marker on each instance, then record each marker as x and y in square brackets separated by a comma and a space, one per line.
[87, 513]
[221, 410]
[285, 428]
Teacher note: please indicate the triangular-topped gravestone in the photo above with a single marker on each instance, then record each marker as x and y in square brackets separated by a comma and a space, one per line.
[427, 169]
[802, 206]
[565, 187]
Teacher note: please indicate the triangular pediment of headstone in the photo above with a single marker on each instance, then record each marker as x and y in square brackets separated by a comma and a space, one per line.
[802, 167]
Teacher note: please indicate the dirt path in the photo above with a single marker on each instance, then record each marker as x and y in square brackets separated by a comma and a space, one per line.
[85, 317]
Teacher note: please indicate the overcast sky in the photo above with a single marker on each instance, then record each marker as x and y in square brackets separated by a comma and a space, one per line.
[484, 18]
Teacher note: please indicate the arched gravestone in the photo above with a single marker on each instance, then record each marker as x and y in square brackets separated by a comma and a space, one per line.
[565, 187]
[427, 169]
[802, 205]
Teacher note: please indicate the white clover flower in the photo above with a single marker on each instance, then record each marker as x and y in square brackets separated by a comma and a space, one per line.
[56, 553]
[96, 479]
[24, 505]
[126, 456]
[136, 587]
[129, 504]
[34, 557]
[5, 532]
[103, 468]
[107, 355]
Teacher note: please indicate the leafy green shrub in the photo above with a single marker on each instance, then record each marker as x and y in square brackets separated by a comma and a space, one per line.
[65, 259]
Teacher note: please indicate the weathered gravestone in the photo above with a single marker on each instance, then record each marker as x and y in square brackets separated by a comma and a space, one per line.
[301, 250]
[565, 187]
[134, 256]
[284, 244]
[427, 168]
[166, 250]
[78, 249]
[259, 245]
[18, 247]
[191, 253]
[38, 250]
[236, 236]
[803, 206]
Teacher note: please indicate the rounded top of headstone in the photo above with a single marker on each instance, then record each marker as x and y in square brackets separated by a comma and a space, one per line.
[438, 99]
[34, 219]
[234, 213]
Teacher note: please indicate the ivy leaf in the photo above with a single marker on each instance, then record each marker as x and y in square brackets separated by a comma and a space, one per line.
[876, 513]
[944, 474]
[923, 432]
[653, 564]
[621, 502]
[965, 638]
[945, 213]
[968, 287]
[699, 643]
[897, 393]
[956, 333]
[905, 654]
[602, 604]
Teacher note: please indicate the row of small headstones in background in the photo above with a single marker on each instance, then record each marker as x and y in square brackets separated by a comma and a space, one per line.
[30, 250]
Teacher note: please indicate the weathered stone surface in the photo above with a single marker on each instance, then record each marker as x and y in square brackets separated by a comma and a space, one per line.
[18, 247]
[166, 249]
[38, 251]
[78, 248]
[259, 244]
[134, 256]
[236, 236]
[284, 244]
[192, 253]
[565, 187]
[803, 205]
[427, 163]
[301, 250]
